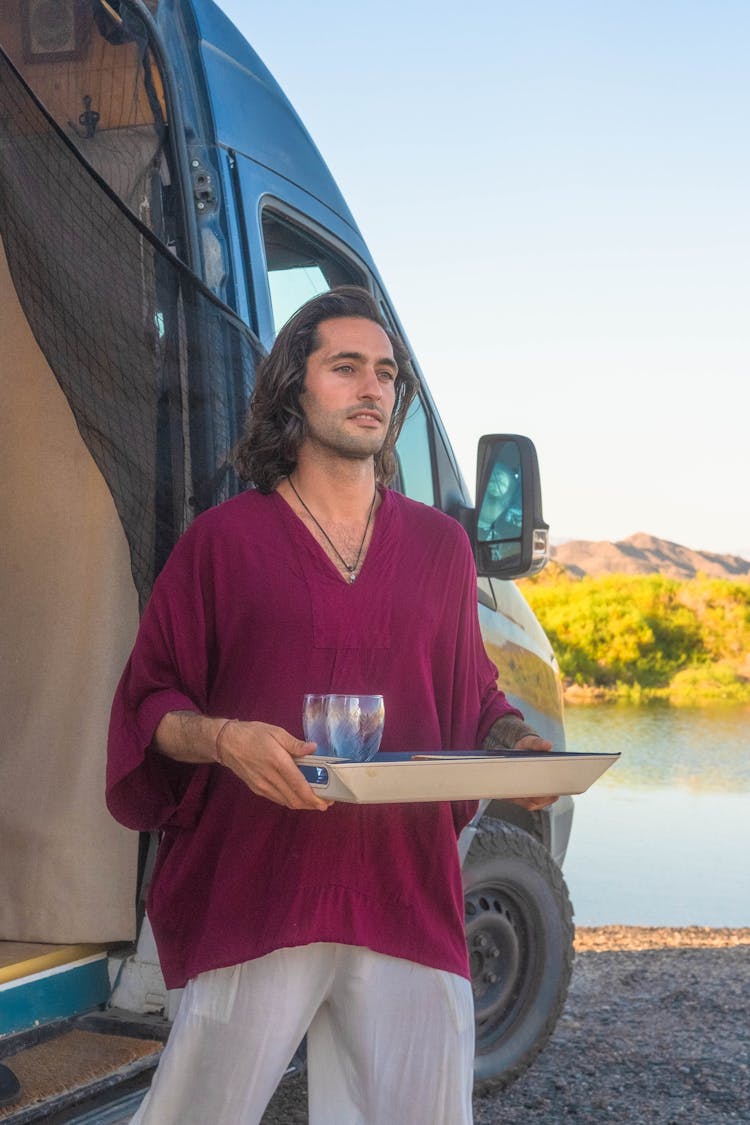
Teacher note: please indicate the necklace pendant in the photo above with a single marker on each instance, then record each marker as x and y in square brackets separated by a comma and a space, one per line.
[352, 570]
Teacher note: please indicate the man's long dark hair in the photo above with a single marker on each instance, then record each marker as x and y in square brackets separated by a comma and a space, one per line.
[275, 423]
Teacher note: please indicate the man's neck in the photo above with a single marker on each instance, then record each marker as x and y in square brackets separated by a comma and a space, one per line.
[340, 490]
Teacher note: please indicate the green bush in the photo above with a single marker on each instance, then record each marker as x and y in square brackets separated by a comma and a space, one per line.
[713, 683]
[644, 637]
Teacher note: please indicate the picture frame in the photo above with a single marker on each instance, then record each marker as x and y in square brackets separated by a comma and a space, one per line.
[52, 30]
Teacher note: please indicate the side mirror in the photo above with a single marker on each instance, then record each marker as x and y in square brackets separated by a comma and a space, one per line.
[509, 535]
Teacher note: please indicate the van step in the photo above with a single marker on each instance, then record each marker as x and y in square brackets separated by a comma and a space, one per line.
[76, 1064]
[49, 983]
[113, 1111]
[20, 959]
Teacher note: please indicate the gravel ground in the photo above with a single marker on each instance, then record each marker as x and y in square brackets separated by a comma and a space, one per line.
[656, 1031]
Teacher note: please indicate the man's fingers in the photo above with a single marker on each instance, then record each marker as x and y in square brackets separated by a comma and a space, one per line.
[286, 786]
[534, 804]
[299, 793]
[263, 756]
[294, 798]
[533, 742]
[301, 749]
[288, 792]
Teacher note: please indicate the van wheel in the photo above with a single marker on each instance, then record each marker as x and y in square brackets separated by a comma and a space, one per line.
[519, 931]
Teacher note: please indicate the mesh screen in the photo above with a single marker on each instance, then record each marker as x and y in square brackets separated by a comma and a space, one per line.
[105, 91]
[155, 369]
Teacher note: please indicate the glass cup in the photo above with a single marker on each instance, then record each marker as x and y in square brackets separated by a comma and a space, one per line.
[344, 726]
[314, 721]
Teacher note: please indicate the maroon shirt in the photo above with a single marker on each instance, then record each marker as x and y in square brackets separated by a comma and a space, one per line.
[248, 615]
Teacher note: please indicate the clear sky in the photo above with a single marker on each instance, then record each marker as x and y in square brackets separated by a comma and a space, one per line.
[557, 195]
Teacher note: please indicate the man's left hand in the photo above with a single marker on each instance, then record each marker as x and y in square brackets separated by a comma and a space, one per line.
[533, 742]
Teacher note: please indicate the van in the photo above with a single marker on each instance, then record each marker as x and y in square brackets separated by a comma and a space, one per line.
[162, 212]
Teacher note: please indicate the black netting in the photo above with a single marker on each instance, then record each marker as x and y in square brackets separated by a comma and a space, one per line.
[155, 369]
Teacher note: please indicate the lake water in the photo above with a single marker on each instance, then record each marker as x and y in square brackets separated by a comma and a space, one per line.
[663, 838]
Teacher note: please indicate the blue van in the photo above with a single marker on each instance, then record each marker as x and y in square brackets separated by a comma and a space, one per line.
[162, 212]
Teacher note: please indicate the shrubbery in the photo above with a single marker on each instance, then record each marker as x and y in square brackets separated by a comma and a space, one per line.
[646, 637]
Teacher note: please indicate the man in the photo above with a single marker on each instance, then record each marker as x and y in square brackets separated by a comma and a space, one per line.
[284, 913]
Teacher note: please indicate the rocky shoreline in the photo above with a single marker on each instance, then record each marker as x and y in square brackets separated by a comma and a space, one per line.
[655, 1032]
[614, 939]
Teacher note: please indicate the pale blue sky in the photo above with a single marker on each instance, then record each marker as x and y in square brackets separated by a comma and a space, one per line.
[557, 195]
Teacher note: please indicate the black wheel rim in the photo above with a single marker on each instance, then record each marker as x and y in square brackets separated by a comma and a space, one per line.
[502, 958]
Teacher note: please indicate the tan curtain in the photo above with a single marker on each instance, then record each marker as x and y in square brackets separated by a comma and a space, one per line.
[68, 614]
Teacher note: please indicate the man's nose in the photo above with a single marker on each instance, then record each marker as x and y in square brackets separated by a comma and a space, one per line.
[370, 385]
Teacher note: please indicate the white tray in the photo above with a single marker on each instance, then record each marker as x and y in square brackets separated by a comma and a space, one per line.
[453, 776]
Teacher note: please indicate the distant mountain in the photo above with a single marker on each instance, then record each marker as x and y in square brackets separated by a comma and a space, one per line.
[645, 554]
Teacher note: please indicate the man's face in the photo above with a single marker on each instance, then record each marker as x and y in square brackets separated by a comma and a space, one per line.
[349, 389]
[500, 482]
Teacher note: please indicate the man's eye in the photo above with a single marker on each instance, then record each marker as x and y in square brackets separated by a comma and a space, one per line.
[344, 369]
[387, 375]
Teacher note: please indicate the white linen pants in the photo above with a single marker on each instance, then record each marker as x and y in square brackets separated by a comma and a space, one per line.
[389, 1042]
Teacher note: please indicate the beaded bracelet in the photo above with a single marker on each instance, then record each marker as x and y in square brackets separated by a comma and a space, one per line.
[217, 744]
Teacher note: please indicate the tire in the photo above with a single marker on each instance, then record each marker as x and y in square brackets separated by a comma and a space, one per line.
[519, 931]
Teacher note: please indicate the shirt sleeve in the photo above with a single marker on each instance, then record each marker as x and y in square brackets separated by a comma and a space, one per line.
[167, 671]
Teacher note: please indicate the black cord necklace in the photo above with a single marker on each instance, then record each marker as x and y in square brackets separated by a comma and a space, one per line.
[351, 570]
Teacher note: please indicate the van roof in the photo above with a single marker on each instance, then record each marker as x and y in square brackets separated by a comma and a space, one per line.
[255, 117]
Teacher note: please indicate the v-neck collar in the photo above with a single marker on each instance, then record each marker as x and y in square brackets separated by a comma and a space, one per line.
[337, 607]
[305, 540]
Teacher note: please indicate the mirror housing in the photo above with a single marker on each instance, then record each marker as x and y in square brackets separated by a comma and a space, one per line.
[507, 530]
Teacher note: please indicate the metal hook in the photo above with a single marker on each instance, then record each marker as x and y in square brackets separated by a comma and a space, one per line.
[89, 119]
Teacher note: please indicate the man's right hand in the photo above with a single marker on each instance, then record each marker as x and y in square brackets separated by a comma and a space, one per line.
[263, 756]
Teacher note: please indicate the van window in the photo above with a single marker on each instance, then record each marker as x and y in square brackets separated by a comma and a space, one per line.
[300, 267]
[414, 456]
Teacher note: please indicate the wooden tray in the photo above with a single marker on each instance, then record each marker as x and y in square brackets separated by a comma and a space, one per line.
[456, 776]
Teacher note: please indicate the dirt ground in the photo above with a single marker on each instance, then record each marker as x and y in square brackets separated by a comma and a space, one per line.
[656, 1030]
